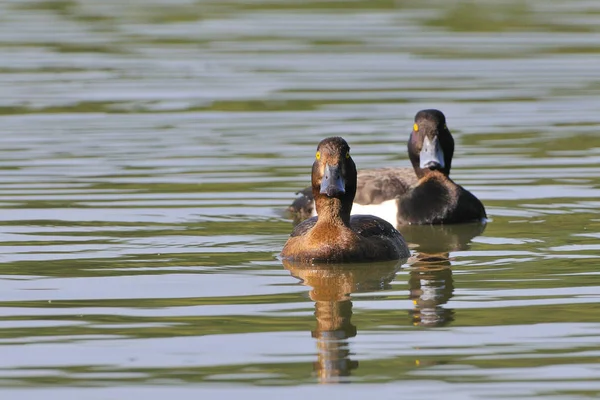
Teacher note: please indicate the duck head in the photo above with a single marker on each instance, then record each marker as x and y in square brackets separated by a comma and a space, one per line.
[333, 179]
[430, 146]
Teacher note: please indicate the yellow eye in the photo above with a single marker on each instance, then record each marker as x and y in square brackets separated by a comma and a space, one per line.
[318, 155]
[416, 128]
[347, 154]
[445, 127]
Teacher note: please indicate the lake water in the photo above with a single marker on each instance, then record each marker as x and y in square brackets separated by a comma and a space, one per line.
[148, 150]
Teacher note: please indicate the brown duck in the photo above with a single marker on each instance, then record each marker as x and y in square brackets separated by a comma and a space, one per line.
[334, 236]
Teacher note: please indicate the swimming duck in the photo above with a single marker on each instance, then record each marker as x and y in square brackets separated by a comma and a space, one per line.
[423, 194]
[334, 236]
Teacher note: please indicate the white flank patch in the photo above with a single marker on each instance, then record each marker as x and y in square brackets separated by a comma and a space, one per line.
[387, 210]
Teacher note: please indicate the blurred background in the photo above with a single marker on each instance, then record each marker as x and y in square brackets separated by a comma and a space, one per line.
[149, 149]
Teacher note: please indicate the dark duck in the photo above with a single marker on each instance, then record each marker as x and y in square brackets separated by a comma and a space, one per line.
[423, 194]
[333, 235]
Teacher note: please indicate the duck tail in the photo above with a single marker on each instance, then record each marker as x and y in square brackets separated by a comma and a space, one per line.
[302, 207]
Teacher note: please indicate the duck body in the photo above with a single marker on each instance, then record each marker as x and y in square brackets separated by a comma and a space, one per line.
[436, 199]
[423, 194]
[334, 236]
[378, 185]
[367, 238]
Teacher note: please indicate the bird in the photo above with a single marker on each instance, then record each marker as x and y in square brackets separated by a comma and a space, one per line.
[333, 235]
[424, 194]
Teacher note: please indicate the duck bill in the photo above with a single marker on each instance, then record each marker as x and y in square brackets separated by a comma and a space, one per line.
[332, 183]
[432, 155]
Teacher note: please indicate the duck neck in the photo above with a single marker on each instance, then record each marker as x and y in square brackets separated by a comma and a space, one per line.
[332, 211]
[426, 172]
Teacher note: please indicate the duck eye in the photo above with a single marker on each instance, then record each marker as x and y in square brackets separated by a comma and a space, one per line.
[445, 127]
[347, 154]
[416, 128]
[318, 155]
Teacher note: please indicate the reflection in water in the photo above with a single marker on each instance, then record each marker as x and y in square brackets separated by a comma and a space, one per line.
[332, 285]
[434, 239]
[431, 283]
[431, 286]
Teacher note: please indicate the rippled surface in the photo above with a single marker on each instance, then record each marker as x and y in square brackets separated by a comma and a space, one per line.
[150, 148]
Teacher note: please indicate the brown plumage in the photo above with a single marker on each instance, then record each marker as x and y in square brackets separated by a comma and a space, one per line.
[424, 194]
[334, 236]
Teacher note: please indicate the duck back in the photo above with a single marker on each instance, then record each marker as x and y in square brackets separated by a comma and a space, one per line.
[382, 184]
[367, 238]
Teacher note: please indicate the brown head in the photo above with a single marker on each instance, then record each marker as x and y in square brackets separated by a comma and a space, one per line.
[430, 146]
[333, 179]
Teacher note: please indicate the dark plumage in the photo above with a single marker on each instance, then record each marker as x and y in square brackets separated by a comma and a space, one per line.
[436, 199]
[334, 236]
[424, 194]
[303, 206]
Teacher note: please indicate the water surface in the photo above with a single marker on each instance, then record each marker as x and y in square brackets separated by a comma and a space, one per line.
[149, 150]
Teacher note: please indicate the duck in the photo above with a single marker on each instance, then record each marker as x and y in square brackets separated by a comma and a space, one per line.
[422, 195]
[333, 235]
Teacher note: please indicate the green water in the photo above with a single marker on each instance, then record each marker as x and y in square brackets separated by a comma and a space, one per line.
[150, 148]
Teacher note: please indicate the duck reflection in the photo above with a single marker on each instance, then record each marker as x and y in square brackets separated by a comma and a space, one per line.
[430, 280]
[332, 285]
[431, 283]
